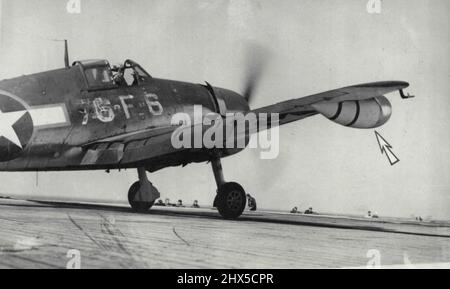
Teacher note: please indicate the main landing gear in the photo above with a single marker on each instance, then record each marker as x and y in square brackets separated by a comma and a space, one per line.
[231, 199]
[142, 194]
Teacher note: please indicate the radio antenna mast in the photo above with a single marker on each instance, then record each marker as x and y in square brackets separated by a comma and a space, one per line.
[66, 51]
[66, 54]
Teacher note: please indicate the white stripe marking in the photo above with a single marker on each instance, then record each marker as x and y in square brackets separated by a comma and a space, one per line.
[50, 115]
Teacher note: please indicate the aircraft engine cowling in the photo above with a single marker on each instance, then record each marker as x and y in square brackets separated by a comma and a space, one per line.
[369, 113]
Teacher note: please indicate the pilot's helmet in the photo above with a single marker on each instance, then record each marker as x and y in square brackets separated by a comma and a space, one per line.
[117, 67]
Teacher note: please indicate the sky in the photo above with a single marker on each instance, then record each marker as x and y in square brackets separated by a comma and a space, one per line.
[312, 46]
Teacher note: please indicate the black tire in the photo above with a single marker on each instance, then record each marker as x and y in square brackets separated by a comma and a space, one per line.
[231, 201]
[140, 207]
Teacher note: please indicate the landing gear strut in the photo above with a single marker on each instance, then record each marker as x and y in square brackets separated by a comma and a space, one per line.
[231, 198]
[142, 194]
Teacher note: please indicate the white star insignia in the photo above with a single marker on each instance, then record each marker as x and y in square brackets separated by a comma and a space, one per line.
[7, 120]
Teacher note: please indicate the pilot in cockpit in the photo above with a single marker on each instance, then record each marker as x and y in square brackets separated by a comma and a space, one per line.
[119, 77]
[125, 76]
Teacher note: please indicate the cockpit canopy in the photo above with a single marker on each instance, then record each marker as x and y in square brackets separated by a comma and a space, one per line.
[99, 74]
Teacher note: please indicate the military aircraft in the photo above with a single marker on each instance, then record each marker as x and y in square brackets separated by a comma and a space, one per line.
[85, 117]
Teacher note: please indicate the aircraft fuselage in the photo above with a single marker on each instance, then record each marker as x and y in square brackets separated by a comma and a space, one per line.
[48, 120]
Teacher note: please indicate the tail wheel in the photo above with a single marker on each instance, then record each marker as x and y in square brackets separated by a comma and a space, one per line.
[138, 206]
[231, 200]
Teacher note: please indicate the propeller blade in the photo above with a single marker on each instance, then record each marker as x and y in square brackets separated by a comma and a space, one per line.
[257, 58]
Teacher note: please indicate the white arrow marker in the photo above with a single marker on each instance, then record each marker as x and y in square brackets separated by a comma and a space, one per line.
[386, 149]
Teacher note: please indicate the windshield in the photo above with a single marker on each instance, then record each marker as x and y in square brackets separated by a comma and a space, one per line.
[99, 76]
[141, 72]
[129, 74]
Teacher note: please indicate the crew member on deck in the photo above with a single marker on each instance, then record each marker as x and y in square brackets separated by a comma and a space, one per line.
[251, 202]
[309, 211]
[195, 204]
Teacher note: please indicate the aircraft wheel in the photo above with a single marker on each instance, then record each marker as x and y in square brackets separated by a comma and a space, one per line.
[138, 206]
[231, 200]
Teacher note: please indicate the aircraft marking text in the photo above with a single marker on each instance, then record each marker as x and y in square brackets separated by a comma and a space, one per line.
[103, 110]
